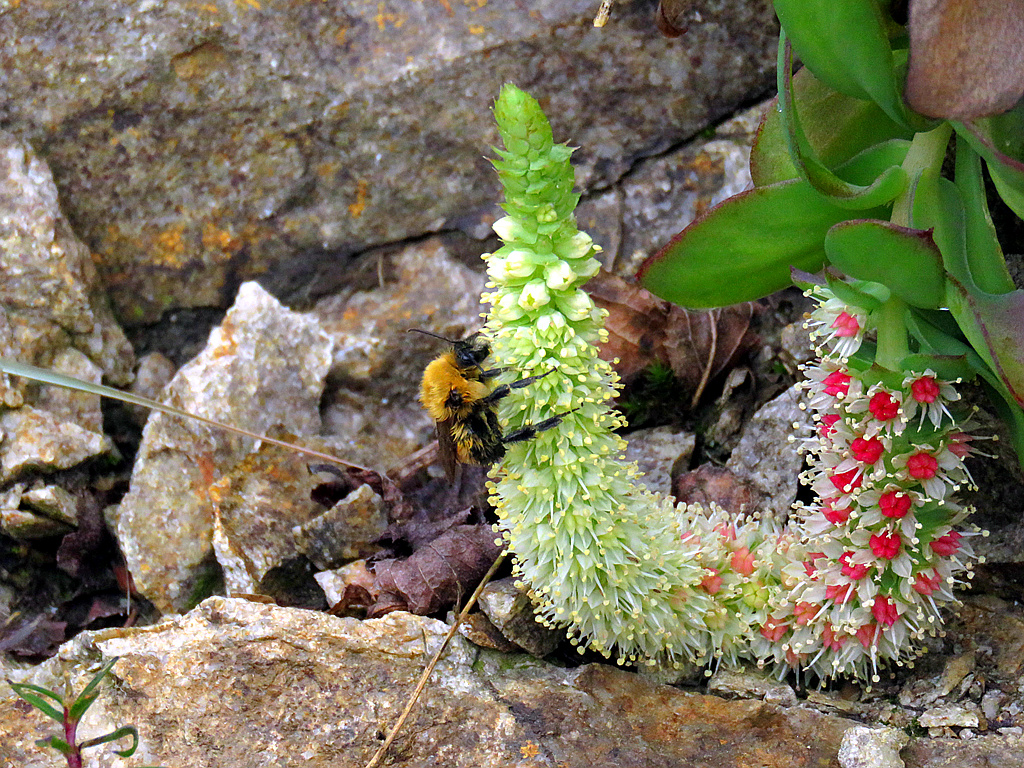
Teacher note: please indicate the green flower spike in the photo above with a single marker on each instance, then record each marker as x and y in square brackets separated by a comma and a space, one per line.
[599, 553]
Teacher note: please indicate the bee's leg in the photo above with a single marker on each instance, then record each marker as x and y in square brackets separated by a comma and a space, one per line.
[504, 390]
[490, 373]
[530, 431]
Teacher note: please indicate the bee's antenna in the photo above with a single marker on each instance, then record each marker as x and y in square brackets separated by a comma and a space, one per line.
[428, 333]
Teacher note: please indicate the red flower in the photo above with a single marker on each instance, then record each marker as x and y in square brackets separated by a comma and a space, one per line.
[846, 325]
[925, 390]
[804, 612]
[867, 450]
[743, 561]
[827, 424]
[884, 611]
[847, 481]
[854, 571]
[837, 383]
[774, 629]
[886, 545]
[883, 406]
[833, 515]
[894, 504]
[712, 582]
[925, 584]
[947, 545]
[866, 635]
[838, 593]
[922, 466]
[833, 641]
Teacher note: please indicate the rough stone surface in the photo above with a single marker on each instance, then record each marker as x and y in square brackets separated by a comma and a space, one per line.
[659, 452]
[54, 314]
[257, 504]
[345, 531]
[263, 368]
[235, 684]
[202, 144]
[766, 457]
[872, 748]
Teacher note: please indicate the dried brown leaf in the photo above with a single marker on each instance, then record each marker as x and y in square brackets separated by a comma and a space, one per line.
[716, 485]
[966, 57]
[436, 575]
[673, 17]
[643, 330]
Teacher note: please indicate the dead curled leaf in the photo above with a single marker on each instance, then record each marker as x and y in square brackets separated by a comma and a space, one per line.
[441, 573]
[966, 57]
[644, 330]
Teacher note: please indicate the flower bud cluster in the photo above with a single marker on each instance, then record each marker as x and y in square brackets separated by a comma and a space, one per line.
[600, 554]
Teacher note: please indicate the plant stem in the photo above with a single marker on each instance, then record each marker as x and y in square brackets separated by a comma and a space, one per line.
[927, 150]
[892, 334]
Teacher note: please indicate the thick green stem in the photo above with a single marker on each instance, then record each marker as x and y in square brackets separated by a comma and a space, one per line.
[927, 150]
[892, 334]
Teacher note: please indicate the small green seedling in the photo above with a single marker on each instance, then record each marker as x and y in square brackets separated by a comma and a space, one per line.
[70, 714]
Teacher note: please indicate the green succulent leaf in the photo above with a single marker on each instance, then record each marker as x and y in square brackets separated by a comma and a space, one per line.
[994, 324]
[858, 293]
[998, 140]
[121, 733]
[985, 260]
[34, 695]
[837, 128]
[846, 45]
[905, 260]
[948, 367]
[938, 207]
[744, 248]
[886, 180]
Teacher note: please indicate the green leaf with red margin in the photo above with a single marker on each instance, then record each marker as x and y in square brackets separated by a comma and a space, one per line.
[837, 128]
[904, 260]
[994, 324]
[885, 185]
[743, 248]
[846, 45]
[1000, 141]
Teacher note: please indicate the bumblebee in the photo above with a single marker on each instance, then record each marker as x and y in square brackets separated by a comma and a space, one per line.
[458, 392]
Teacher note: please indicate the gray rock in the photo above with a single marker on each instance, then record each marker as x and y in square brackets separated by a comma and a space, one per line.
[660, 453]
[53, 314]
[345, 531]
[766, 456]
[872, 748]
[264, 367]
[200, 145]
[512, 613]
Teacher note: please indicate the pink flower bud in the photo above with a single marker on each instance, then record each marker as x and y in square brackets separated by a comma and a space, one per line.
[867, 450]
[743, 561]
[947, 545]
[922, 466]
[894, 504]
[883, 406]
[886, 546]
[925, 390]
[884, 611]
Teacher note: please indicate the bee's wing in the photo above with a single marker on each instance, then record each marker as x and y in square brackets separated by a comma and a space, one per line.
[446, 448]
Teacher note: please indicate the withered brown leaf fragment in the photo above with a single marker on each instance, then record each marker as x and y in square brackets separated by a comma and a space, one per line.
[643, 330]
[966, 57]
[673, 17]
[438, 574]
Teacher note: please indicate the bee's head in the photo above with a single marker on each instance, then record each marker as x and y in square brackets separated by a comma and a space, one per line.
[469, 352]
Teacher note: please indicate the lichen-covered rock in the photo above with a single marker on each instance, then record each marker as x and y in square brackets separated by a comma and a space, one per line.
[264, 367]
[198, 145]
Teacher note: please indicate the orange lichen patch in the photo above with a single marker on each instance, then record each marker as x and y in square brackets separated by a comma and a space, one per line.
[447, 7]
[199, 61]
[529, 749]
[251, 3]
[356, 208]
[383, 18]
[227, 344]
[169, 246]
[706, 164]
[340, 35]
[216, 239]
[327, 169]
[474, 5]
[209, 8]
[476, 29]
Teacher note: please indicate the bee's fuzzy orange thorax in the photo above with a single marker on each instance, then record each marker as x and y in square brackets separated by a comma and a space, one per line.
[447, 391]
